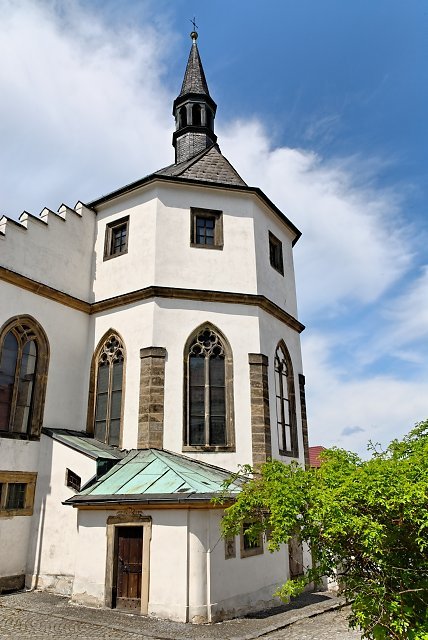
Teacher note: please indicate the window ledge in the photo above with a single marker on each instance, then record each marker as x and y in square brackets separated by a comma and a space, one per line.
[288, 454]
[249, 553]
[218, 247]
[114, 255]
[11, 513]
[18, 436]
[209, 449]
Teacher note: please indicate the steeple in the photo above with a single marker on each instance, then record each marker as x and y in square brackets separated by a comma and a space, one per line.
[194, 110]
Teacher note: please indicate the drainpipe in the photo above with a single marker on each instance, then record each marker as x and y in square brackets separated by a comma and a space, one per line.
[209, 613]
[187, 566]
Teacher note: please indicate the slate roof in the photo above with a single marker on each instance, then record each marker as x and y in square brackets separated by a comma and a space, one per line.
[85, 443]
[156, 476]
[209, 166]
[194, 78]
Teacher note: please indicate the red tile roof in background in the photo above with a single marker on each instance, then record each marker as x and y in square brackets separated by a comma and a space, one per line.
[314, 453]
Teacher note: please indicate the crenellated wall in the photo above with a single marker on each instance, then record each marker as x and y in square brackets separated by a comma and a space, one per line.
[53, 248]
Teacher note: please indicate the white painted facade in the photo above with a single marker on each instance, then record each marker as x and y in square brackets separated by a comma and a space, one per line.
[63, 549]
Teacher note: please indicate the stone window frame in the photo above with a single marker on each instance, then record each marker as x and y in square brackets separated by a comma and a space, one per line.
[93, 379]
[27, 324]
[291, 397]
[249, 552]
[228, 362]
[17, 477]
[210, 214]
[111, 227]
[127, 520]
[275, 253]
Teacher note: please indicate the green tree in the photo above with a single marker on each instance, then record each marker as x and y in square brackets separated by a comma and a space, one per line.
[367, 519]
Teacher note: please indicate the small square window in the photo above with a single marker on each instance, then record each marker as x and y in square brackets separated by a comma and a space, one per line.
[17, 490]
[16, 495]
[72, 480]
[206, 229]
[249, 545]
[275, 253]
[116, 239]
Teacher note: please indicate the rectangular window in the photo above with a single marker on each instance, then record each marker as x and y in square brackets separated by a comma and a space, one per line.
[275, 253]
[206, 229]
[16, 495]
[116, 238]
[17, 490]
[250, 546]
[72, 480]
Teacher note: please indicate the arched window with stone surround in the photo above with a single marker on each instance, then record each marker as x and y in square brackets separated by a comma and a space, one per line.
[24, 360]
[106, 389]
[208, 391]
[285, 402]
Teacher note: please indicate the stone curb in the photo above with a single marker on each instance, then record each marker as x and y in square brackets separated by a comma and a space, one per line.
[310, 611]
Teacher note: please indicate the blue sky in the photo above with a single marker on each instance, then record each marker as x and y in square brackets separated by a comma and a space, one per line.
[321, 104]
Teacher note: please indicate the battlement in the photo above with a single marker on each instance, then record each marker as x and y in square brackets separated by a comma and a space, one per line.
[54, 248]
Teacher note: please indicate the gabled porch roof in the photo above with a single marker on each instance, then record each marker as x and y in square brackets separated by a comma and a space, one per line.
[156, 476]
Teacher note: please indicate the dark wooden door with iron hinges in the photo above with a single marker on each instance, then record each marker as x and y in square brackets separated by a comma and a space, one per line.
[129, 567]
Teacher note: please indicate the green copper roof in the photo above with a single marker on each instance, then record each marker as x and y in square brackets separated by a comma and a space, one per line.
[85, 443]
[154, 475]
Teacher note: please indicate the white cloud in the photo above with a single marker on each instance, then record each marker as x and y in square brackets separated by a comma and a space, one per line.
[353, 245]
[382, 406]
[83, 107]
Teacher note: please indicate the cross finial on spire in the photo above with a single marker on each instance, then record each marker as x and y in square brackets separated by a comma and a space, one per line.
[194, 34]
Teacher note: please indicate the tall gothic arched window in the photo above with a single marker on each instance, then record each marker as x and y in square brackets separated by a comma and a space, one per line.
[285, 402]
[208, 391]
[105, 398]
[24, 355]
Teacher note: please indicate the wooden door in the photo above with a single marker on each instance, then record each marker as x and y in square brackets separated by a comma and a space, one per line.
[129, 567]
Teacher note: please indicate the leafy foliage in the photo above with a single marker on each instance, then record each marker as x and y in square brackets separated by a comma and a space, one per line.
[365, 520]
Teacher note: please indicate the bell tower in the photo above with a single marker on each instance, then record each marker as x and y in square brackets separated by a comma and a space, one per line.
[194, 110]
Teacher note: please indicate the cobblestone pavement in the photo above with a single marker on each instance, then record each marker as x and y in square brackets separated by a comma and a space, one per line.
[43, 616]
[331, 625]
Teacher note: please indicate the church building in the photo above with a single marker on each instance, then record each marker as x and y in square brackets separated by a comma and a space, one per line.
[149, 345]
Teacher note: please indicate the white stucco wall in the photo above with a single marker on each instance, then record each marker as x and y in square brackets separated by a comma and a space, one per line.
[90, 565]
[56, 249]
[16, 455]
[190, 579]
[159, 251]
[53, 548]
[242, 584]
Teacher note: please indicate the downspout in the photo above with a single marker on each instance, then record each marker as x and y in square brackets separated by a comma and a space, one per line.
[209, 613]
[187, 566]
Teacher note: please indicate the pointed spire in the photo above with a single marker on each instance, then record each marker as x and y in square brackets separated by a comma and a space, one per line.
[194, 110]
[194, 77]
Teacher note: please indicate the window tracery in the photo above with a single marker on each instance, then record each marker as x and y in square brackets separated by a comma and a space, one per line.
[208, 391]
[285, 402]
[23, 371]
[108, 367]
